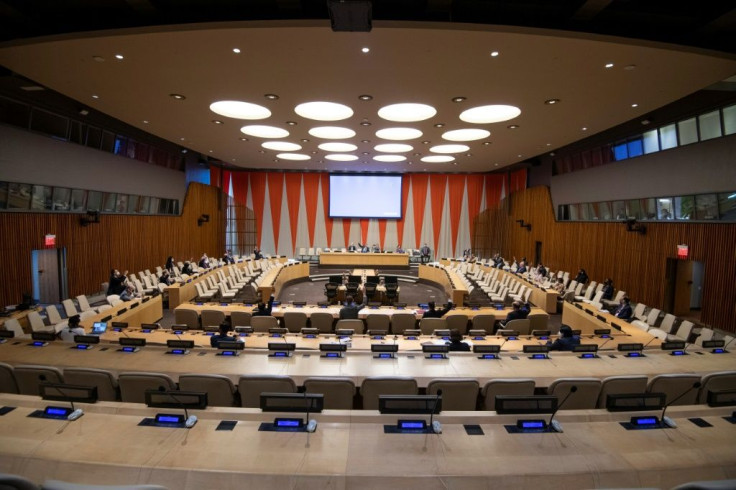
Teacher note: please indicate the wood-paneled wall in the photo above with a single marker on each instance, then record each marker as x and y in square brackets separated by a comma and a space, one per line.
[635, 262]
[119, 241]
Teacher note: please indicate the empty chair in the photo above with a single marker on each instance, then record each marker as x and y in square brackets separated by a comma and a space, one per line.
[30, 376]
[429, 325]
[376, 321]
[212, 318]
[538, 321]
[84, 304]
[294, 321]
[370, 290]
[392, 292]
[458, 394]
[240, 318]
[204, 293]
[107, 385]
[357, 325]
[133, 386]
[37, 324]
[617, 385]
[338, 392]
[69, 308]
[16, 482]
[457, 322]
[322, 321]
[190, 318]
[112, 298]
[705, 334]
[638, 313]
[220, 390]
[12, 325]
[484, 322]
[521, 325]
[586, 396]
[401, 322]
[725, 380]
[263, 323]
[683, 331]
[331, 291]
[7, 379]
[372, 387]
[674, 385]
[251, 387]
[514, 386]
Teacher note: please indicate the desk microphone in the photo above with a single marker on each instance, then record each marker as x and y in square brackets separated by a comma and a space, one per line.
[555, 425]
[191, 420]
[600, 347]
[650, 341]
[435, 424]
[668, 421]
[506, 339]
[76, 412]
[311, 424]
[728, 343]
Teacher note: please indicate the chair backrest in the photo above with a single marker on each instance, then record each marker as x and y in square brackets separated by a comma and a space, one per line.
[36, 322]
[372, 387]
[667, 323]
[401, 322]
[133, 386]
[616, 385]
[338, 392]
[83, 303]
[322, 321]
[457, 394]
[513, 386]
[294, 321]
[190, 318]
[16, 482]
[674, 385]
[69, 308]
[29, 377]
[263, 323]
[484, 322]
[12, 325]
[112, 297]
[538, 321]
[639, 310]
[212, 318]
[220, 390]
[7, 379]
[725, 380]
[705, 334]
[684, 330]
[578, 289]
[353, 324]
[521, 325]
[652, 316]
[376, 321]
[251, 387]
[457, 322]
[429, 325]
[240, 318]
[107, 385]
[586, 396]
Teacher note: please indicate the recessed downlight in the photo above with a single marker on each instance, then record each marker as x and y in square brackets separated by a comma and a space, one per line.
[293, 156]
[513, 126]
[119, 57]
[332, 132]
[260, 131]
[494, 53]
[341, 157]
[389, 158]
[552, 101]
[488, 114]
[407, 112]
[337, 147]
[177, 96]
[393, 148]
[366, 49]
[217, 121]
[459, 99]
[398, 134]
[324, 111]
[236, 50]
[281, 146]
[271, 96]
[609, 65]
[438, 159]
[449, 149]
[466, 135]
[240, 110]
[365, 97]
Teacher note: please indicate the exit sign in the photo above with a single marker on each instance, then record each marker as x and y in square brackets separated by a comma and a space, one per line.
[49, 240]
[683, 251]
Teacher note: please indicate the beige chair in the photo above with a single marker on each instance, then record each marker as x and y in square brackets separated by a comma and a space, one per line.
[705, 334]
[84, 304]
[683, 331]
[16, 482]
[7, 379]
[457, 322]
[212, 318]
[725, 380]
[429, 325]
[53, 315]
[250, 387]
[617, 385]
[372, 387]
[458, 394]
[484, 322]
[12, 325]
[401, 322]
[338, 392]
[522, 325]
[376, 321]
[263, 323]
[538, 321]
[514, 387]
[322, 321]
[37, 324]
[294, 321]
[674, 385]
[30, 376]
[586, 396]
[190, 318]
[220, 390]
[357, 325]
[107, 385]
[133, 386]
[69, 308]
[240, 319]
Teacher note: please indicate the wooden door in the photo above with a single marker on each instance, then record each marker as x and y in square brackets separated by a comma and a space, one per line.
[683, 284]
[47, 275]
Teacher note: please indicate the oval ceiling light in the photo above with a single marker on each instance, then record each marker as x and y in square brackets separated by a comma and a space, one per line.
[438, 159]
[449, 148]
[398, 134]
[332, 132]
[264, 131]
[407, 112]
[487, 114]
[292, 156]
[389, 158]
[338, 147]
[281, 146]
[341, 157]
[324, 111]
[239, 110]
[393, 148]
[466, 135]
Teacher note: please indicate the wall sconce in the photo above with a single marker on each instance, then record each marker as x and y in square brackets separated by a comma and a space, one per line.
[91, 217]
[633, 226]
[205, 218]
[528, 226]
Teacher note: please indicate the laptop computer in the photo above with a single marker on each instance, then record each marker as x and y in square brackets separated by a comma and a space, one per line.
[98, 328]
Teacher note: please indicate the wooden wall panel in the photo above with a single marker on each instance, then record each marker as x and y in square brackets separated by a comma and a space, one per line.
[635, 262]
[119, 241]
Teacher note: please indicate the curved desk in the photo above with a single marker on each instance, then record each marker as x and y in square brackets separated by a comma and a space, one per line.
[357, 259]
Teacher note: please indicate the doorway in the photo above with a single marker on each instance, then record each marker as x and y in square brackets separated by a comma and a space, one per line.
[684, 287]
[48, 270]
[537, 253]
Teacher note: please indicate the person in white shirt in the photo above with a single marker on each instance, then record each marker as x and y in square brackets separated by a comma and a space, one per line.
[72, 329]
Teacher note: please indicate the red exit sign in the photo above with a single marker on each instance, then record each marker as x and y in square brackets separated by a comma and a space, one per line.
[49, 240]
[683, 251]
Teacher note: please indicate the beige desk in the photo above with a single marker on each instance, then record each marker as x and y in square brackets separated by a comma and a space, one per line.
[274, 279]
[351, 450]
[364, 260]
[21, 316]
[182, 292]
[448, 279]
[149, 312]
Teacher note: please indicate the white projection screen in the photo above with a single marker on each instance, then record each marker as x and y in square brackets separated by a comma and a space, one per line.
[365, 196]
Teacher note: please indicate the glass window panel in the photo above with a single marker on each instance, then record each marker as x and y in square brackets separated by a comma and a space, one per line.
[684, 207]
[94, 201]
[729, 119]
[61, 198]
[664, 208]
[144, 204]
[593, 211]
[633, 208]
[154, 205]
[94, 137]
[15, 113]
[41, 198]
[108, 141]
[727, 206]
[49, 123]
[706, 206]
[619, 209]
[174, 206]
[584, 212]
[78, 196]
[620, 152]
[19, 196]
[574, 214]
[109, 199]
[668, 136]
[3, 195]
[121, 205]
[635, 148]
[76, 132]
[604, 211]
[132, 204]
[163, 206]
[688, 131]
[648, 208]
[710, 125]
[651, 141]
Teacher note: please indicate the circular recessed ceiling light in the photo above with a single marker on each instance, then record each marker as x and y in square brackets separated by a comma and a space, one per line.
[466, 134]
[177, 96]
[552, 101]
[95, 96]
[271, 96]
[332, 132]
[264, 131]
[458, 99]
[513, 126]
[365, 97]
[236, 50]
[609, 65]
[339, 147]
[449, 148]
[324, 111]
[439, 125]
[630, 67]
[389, 158]
[365, 123]
[486, 143]
[293, 156]
[407, 112]
[393, 148]
[239, 110]
[494, 53]
[365, 141]
[487, 114]
[119, 57]
[281, 146]
[365, 50]
[634, 105]
[291, 123]
[584, 128]
[438, 159]
[398, 134]
[341, 157]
